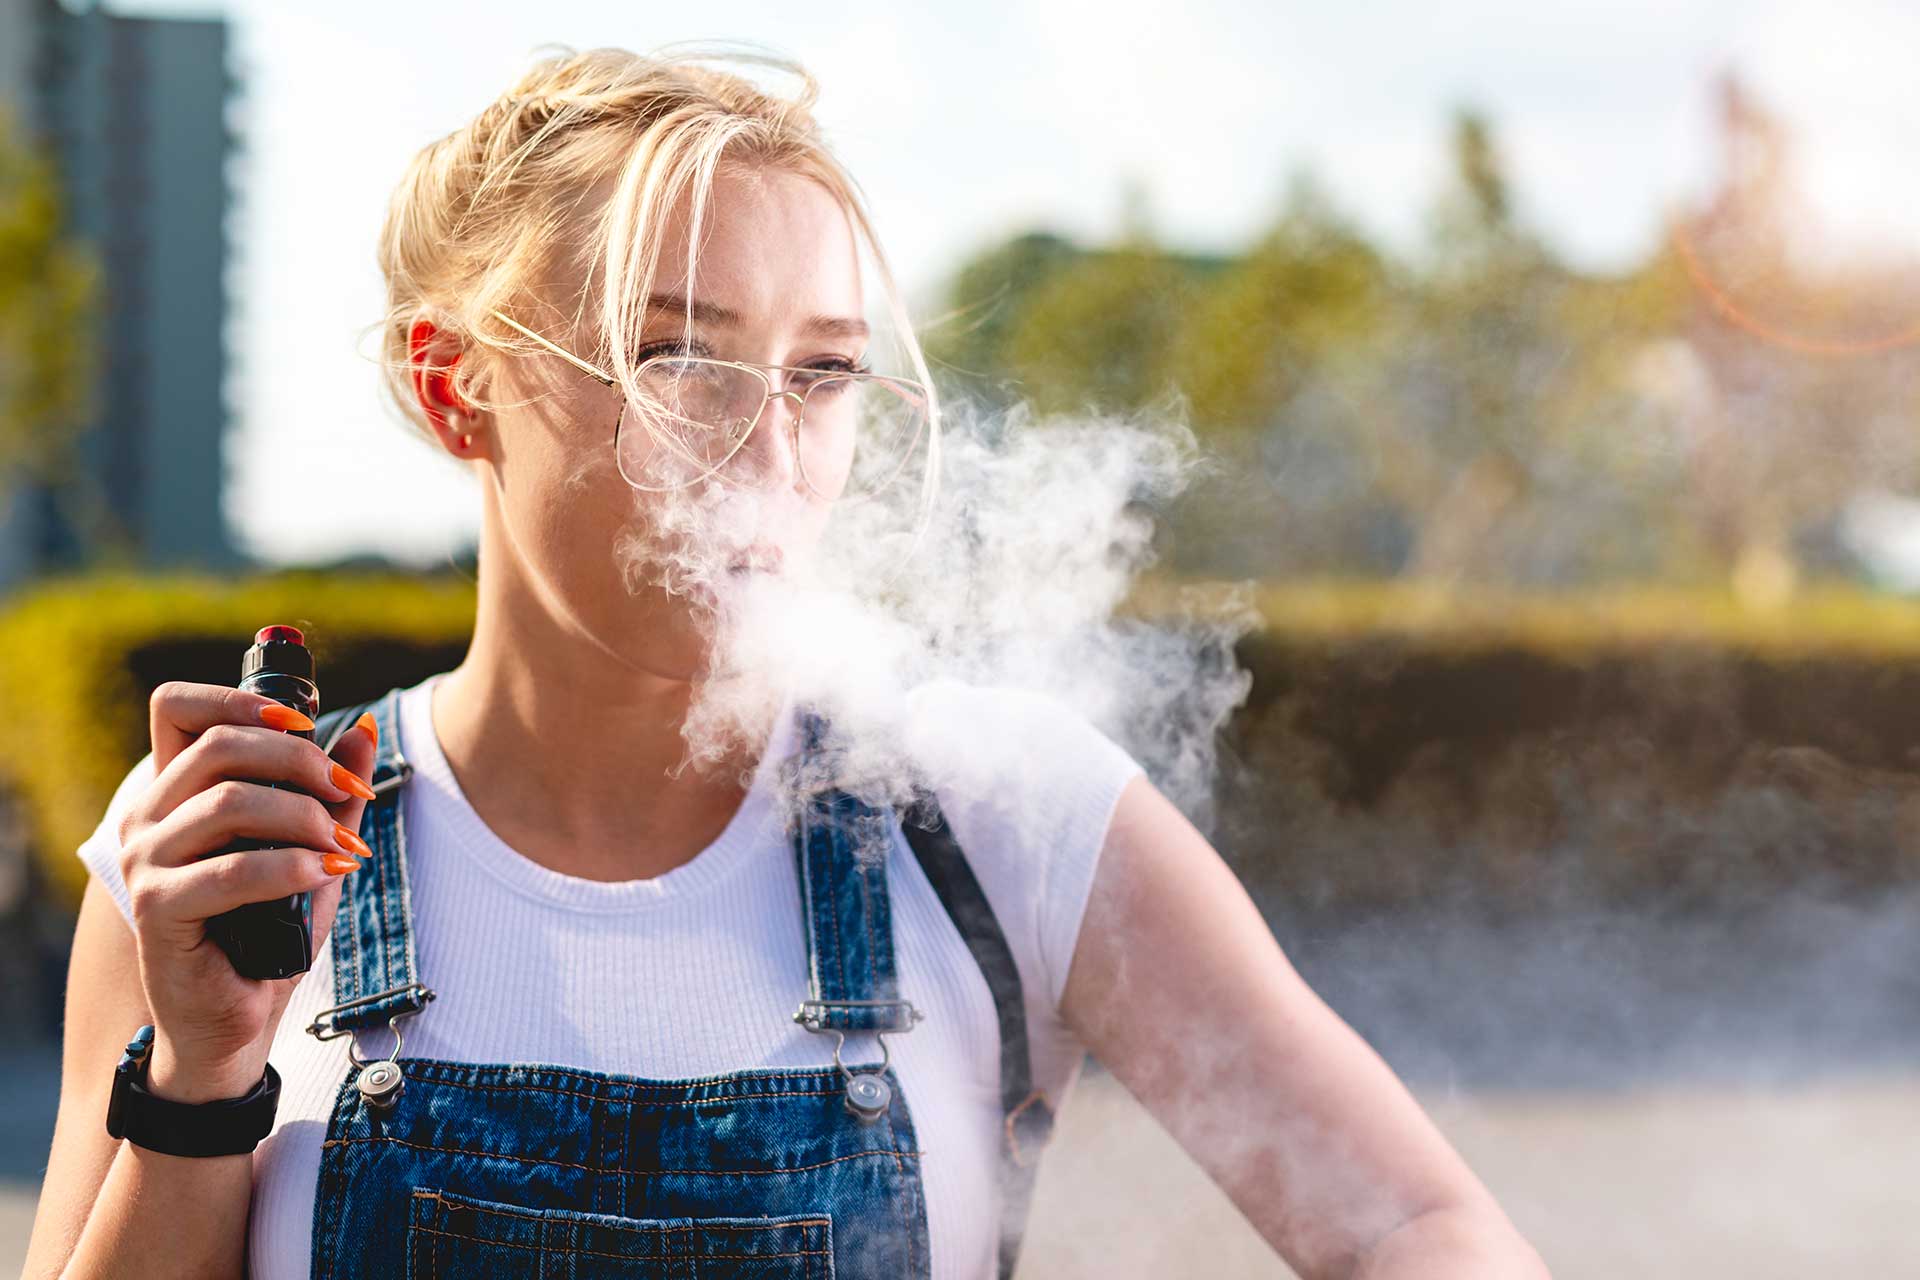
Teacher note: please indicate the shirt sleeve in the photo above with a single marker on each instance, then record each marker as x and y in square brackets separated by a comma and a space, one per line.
[1028, 786]
[101, 850]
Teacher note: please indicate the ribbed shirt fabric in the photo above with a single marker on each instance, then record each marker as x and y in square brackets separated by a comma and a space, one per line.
[698, 971]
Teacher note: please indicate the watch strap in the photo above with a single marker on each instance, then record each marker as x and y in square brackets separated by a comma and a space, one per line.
[222, 1127]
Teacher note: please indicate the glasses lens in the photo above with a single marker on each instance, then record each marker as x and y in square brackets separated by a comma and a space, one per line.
[692, 418]
[862, 435]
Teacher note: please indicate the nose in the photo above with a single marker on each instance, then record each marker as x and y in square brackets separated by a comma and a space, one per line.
[768, 456]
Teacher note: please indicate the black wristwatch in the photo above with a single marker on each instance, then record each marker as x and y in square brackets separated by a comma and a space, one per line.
[223, 1127]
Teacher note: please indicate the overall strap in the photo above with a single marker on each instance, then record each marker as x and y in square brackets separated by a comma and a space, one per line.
[373, 966]
[1028, 1115]
[839, 846]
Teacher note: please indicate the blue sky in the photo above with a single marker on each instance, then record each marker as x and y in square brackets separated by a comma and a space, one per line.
[965, 122]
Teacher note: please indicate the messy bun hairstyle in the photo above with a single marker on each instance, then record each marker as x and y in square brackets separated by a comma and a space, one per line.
[481, 214]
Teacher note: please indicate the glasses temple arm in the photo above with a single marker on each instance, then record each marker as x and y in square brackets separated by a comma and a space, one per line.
[558, 350]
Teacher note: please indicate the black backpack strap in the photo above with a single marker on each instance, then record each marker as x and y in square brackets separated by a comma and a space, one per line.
[1028, 1114]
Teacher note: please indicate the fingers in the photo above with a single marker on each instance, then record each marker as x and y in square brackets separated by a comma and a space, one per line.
[169, 897]
[209, 820]
[180, 711]
[251, 753]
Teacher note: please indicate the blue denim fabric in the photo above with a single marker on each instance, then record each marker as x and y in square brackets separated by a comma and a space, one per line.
[511, 1169]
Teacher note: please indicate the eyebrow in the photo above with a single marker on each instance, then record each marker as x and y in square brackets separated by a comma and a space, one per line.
[713, 313]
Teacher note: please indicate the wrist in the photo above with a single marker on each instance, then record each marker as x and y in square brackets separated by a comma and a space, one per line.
[181, 1077]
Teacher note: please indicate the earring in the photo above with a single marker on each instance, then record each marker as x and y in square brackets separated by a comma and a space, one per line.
[466, 441]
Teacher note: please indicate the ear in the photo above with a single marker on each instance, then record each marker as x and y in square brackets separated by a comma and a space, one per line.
[432, 365]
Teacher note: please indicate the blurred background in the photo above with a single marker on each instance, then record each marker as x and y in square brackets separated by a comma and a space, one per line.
[1561, 365]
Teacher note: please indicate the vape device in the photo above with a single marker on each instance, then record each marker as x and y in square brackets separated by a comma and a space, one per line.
[272, 939]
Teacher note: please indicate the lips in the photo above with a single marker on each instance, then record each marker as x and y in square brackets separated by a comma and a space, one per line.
[757, 559]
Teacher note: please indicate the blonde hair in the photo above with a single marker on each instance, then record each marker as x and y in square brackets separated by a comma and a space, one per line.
[482, 212]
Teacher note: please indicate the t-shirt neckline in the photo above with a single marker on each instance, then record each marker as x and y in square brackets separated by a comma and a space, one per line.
[746, 834]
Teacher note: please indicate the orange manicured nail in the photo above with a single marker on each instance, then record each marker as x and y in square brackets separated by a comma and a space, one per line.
[366, 722]
[277, 716]
[338, 863]
[349, 841]
[349, 781]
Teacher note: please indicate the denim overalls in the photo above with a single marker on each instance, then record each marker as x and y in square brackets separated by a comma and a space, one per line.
[440, 1168]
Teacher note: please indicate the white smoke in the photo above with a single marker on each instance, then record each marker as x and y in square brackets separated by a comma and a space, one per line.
[1013, 575]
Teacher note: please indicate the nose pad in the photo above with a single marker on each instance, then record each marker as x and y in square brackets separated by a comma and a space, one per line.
[774, 446]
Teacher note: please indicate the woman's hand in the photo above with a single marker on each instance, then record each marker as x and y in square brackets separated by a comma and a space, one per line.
[1179, 988]
[212, 1027]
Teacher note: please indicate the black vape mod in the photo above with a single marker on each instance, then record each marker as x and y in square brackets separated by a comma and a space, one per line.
[272, 939]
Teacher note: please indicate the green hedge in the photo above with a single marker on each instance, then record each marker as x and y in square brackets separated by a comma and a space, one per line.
[79, 659]
[1475, 731]
[1826, 621]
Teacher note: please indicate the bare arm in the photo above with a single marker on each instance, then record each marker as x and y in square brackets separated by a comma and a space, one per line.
[1180, 990]
[197, 1205]
[109, 1207]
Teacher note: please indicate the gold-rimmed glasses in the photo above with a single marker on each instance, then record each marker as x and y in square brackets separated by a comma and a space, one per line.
[854, 433]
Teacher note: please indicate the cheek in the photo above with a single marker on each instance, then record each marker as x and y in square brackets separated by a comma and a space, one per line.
[813, 522]
[568, 516]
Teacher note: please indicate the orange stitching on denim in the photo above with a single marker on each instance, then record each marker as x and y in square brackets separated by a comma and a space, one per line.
[382, 900]
[869, 893]
[622, 1257]
[900, 1165]
[634, 1173]
[534, 1215]
[595, 1097]
[615, 1086]
[833, 912]
[893, 1139]
[352, 908]
[916, 1193]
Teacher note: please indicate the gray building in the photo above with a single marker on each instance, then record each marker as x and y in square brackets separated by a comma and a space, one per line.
[134, 113]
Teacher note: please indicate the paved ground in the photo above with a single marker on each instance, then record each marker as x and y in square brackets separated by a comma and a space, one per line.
[1817, 1180]
[1813, 1180]
[31, 1076]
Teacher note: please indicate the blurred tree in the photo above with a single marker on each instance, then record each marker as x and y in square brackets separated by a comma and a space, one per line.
[986, 301]
[1804, 363]
[1310, 287]
[1099, 333]
[1257, 359]
[48, 298]
[1480, 411]
[1479, 209]
[1467, 439]
[1623, 329]
[1041, 319]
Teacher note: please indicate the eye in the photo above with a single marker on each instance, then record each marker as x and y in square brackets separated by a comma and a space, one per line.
[821, 368]
[675, 347]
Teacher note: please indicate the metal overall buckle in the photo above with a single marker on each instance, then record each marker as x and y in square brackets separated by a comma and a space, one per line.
[380, 1079]
[868, 1094]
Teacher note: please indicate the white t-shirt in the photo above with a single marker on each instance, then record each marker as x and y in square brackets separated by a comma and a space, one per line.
[698, 971]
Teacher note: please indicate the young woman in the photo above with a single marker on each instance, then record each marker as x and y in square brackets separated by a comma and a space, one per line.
[675, 1028]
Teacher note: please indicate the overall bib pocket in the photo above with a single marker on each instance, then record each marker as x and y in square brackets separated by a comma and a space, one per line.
[451, 1235]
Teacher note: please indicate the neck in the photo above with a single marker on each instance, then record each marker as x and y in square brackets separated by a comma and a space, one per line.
[569, 753]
